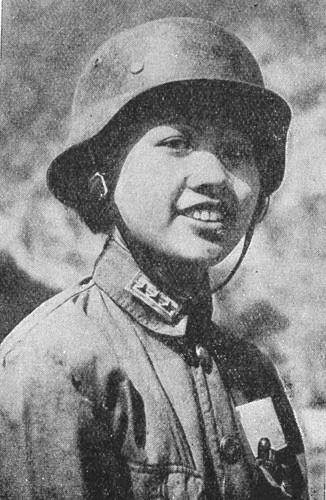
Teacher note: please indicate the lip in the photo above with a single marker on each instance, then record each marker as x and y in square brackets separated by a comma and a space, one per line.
[212, 213]
[210, 231]
[208, 224]
[217, 228]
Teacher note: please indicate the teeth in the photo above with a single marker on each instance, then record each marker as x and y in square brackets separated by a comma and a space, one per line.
[205, 215]
[213, 216]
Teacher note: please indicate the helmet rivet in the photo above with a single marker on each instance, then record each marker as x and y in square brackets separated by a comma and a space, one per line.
[136, 67]
[97, 62]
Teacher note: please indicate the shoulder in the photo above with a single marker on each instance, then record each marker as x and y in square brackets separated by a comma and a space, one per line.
[55, 353]
[60, 330]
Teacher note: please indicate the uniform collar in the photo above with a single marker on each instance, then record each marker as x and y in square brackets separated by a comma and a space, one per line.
[119, 276]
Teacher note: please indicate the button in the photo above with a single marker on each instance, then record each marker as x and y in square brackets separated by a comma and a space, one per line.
[204, 357]
[202, 353]
[264, 449]
[97, 62]
[230, 449]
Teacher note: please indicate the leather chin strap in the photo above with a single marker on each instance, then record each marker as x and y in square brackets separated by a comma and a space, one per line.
[168, 283]
[255, 219]
[258, 216]
[246, 244]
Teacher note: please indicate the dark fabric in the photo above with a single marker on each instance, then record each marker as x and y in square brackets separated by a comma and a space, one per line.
[101, 397]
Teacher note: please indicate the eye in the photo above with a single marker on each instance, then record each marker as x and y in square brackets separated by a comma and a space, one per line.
[177, 144]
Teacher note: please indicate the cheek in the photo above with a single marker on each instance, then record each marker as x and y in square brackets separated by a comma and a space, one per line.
[142, 186]
[247, 192]
[133, 180]
[248, 187]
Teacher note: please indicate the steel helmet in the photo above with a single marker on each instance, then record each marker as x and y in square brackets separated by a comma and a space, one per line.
[178, 58]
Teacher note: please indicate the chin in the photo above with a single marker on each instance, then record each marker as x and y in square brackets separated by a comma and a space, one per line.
[205, 254]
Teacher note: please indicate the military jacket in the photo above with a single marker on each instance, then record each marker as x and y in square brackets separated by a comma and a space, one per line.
[104, 393]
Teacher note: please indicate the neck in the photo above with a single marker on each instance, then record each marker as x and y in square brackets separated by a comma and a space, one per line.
[182, 281]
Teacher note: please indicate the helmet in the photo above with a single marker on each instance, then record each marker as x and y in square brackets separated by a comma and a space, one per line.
[183, 58]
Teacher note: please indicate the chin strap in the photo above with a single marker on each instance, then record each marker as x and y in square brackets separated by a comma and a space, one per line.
[125, 233]
[246, 245]
[256, 219]
[98, 179]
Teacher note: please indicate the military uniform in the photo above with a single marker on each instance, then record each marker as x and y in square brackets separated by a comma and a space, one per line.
[109, 391]
[116, 388]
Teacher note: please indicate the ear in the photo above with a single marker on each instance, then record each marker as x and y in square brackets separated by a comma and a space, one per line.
[97, 186]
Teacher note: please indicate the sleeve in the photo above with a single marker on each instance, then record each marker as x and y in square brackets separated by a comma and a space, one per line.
[55, 436]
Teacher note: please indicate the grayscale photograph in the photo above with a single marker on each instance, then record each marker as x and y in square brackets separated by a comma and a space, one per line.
[162, 250]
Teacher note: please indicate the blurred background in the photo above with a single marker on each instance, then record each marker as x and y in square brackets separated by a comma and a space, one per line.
[278, 298]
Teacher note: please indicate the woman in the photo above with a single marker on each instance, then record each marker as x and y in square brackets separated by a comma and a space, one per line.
[122, 387]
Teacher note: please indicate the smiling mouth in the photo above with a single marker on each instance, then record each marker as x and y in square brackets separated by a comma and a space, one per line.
[210, 213]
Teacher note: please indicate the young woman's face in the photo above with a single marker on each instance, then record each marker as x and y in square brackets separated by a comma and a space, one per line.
[188, 189]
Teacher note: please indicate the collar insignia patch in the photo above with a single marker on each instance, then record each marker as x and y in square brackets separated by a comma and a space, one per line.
[142, 288]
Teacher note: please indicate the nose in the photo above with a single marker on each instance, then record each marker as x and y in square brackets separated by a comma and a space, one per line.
[206, 170]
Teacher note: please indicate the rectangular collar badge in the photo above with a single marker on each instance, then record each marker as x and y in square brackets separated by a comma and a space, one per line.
[142, 288]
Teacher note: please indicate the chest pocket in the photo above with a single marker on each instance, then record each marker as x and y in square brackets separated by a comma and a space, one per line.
[161, 482]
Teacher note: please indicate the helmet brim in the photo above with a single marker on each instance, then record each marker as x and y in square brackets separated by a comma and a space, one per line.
[263, 114]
